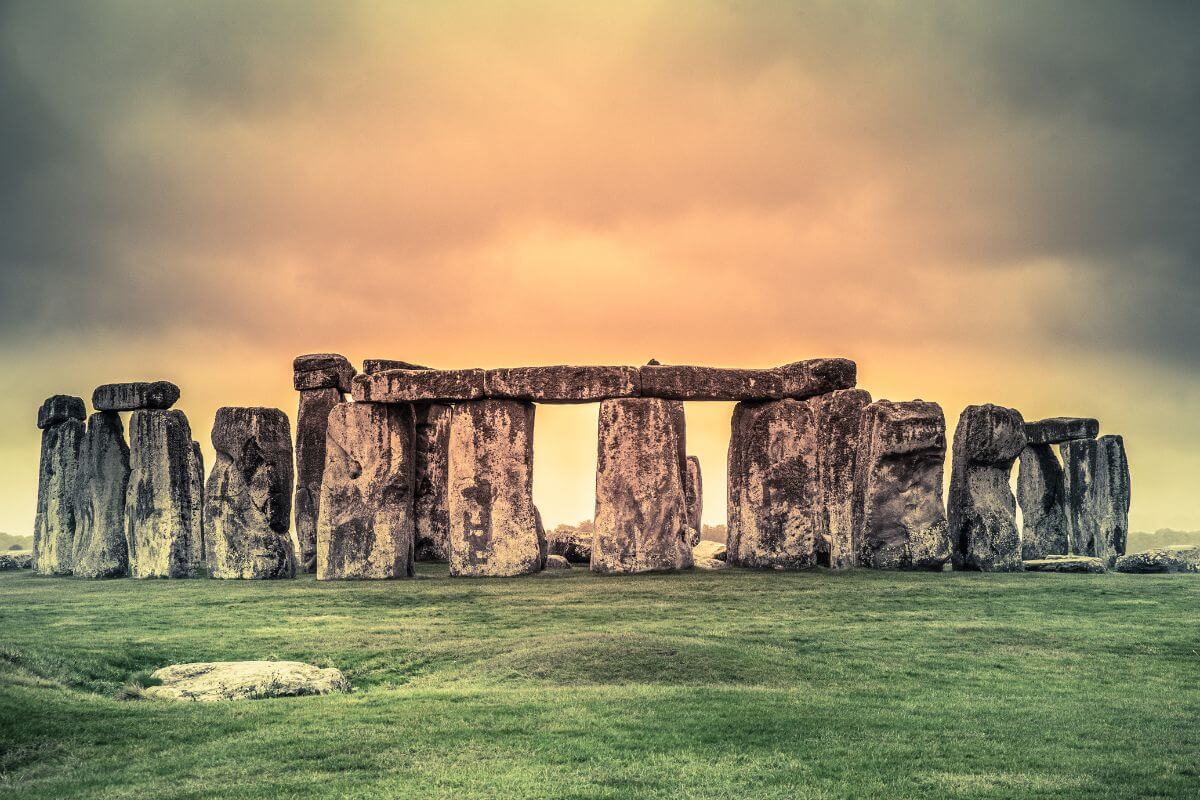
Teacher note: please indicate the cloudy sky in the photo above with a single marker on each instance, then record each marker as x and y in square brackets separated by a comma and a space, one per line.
[977, 202]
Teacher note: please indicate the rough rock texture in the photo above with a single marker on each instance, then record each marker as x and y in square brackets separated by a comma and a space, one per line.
[247, 511]
[1179, 558]
[419, 386]
[574, 547]
[366, 528]
[712, 550]
[1057, 430]
[899, 518]
[1096, 488]
[641, 510]
[562, 384]
[493, 522]
[134, 396]
[162, 508]
[710, 564]
[1066, 564]
[198, 546]
[322, 371]
[244, 680]
[838, 419]
[981, 508]
[60, 408]
[1040, 495]
[797, 380]
[430, 505]
[54, 528]
[776, 514]
[100, 548]
[557, 562]
[693, 491]
[312, 418]
[16, 559]
[373, 365]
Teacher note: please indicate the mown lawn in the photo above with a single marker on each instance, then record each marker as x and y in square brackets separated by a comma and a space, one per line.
[732, 685]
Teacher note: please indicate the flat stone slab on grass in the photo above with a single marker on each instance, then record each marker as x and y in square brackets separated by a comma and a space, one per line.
[209, 681]
[1178, 558]
[1065, 564]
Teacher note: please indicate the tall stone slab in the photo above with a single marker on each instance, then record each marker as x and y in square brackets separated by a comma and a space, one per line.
[641, 506]
[100, 548]
[54, 527]
[493, 523]
[199, 548]
[693, 489]
[982, 510]
[1114, 495]
[1040, 494]
[366, 528]
[838, 420]
[248, 496]
[162, 506]
[1097, 496]
[430, 503]
[899, 517]
[776, 510]
[312, 420]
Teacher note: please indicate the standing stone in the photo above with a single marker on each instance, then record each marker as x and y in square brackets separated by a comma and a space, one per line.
[312, 420]
[493, 524]
[1096, 488]
[693, 489]
[776, 513]
[248, 496]
[1113, 490]
[641, 506]
[838, 418]
[100, 548]
[1040, 495]
[162, 507]
[199, 548]
[899, 519]
[432, 513]
[365, 530]
[54, 527]
[982, 509]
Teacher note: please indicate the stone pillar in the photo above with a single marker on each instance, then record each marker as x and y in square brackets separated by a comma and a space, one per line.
[838, 419]
[322, 380]
[1096, 488]
[248, 496]
[1040, 495]
[199, 548]
[693, 490]
[162, 507]
[54, 528]
[899, 518]
[432, 512]
[366, 529]
[100, 547]
[641, 506]
[493, 524]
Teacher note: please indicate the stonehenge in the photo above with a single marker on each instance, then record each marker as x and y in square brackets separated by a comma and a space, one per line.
[693, 490]
[61, 421]
[100, 548]
[1097, 495]
[1040, 497]
[431, 515]
[163, 514]
[839, 416]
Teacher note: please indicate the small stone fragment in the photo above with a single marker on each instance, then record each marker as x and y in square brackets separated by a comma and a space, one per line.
[1177, 558]
[244, 680]
[1057, 430]
[1066, 564]
[100, 548]
[419, 386]
[58, 409]
[838, 419]
[135, 396]
[693, 491]
[430, 503]
[1040, 495]
[562, 384]
[55, 527]
[312, 422]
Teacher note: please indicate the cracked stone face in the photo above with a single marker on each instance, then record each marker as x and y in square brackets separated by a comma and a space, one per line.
[163, 510]
[312, 420]
[54, 528]
[430, 504]
[1097, 496]
[838, 419]
[1040, 494]
[100, 547]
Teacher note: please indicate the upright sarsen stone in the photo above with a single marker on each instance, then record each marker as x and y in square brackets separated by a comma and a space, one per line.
[641, 507]
[100, 548]
[199, 548]
[1040, 495]
[1113, 489]
[838, 419]
[162, 508]
[493, 523]
[54, 527]
[248, 496]
[1096, 488]
[430, 504]
[899, 518]
[312, 419]
[693, 490]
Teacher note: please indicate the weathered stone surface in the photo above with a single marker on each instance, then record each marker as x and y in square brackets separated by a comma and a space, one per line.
[562, 384]
[373, 365]
[1066, 564]
[713, 550]
[247, 511]
[315, 362]
[419, 386]
[199, 548]
[573, 546]
[798, 380]
[641, 510]
[776, 514]
[1040, 495]
[135, 396]
[58, 409]
[557, 562]
[244, 680]
[1096, 488]
[710, 564]
[312, 420]
[162, 509]
[982, 510]
[1179, 558]
[693, 491]
[430, 504]
[493, 522]
[899, 518]
[817, 376]
[838, 420]
[322, 371]
[1057, 430]
[100, 548]
[16, 559]
[54, 528]
[365, 530]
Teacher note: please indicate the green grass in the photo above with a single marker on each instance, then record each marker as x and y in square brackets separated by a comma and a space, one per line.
[732, 685]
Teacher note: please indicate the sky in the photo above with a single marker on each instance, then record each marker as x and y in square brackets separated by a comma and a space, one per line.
[978, 202]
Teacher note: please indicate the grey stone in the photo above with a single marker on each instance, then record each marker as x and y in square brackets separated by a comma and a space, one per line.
[162, 509]
[243, 680]
[798, 380]
[1178, 558]
[641, 509]
[373, 365]
[493, 522]
[1057, 430]
[1040, 495]
[135, 396]
[899, 518]
[59, 409]
[981, 508]
[693, 490]
[100, 548]
[710, 564]
[557, 562]
[419, 386]
[54, 528]
[322, 371]
[199, 548]
[430, 504]
[562, 384]
[1097, 496]
[838, 420]
[365, 531]
[571, 545]
[817, 376]
[248, 497]
[1066, 564]
[312, 420]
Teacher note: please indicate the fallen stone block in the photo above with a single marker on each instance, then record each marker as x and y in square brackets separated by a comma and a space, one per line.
[419, 386]
[557, 562]
[135, 396]
[562, 384]
[243, 680]
[710, 564]
[1066, 564]
[59, 409]
[100, 548]
[574, 547]
[1178, 558]
[982, 510]
[714, 550]
[1057, 430]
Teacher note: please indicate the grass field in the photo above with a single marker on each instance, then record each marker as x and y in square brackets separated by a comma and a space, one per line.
[731, 685]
